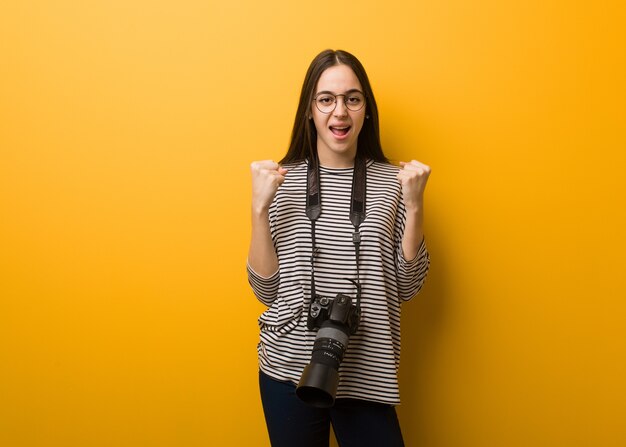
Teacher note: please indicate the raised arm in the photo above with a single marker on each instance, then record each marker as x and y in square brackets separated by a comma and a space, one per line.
[413, 177]
[267, 176]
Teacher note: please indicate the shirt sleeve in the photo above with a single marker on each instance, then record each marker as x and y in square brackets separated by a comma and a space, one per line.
[410, 274]
[265, 289]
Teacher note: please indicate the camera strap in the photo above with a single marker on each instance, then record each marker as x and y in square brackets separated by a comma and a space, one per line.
[357, 213]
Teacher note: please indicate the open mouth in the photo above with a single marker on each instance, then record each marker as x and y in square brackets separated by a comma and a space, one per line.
[340, 131]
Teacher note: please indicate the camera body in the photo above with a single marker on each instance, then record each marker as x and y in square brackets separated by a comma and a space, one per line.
[339, 310]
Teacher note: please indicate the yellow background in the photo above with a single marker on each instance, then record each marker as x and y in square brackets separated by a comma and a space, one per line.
[126, 133]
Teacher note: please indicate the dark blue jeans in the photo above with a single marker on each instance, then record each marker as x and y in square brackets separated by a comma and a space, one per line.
[356, 423]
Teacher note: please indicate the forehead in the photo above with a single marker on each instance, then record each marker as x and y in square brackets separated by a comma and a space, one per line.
[337, 79]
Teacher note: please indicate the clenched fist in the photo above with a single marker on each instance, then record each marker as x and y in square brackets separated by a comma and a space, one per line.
[267, 176]
[413, 177]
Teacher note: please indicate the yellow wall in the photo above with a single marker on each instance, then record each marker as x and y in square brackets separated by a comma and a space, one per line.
[126, 133]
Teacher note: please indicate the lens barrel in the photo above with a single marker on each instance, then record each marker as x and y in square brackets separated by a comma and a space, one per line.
[319, 380]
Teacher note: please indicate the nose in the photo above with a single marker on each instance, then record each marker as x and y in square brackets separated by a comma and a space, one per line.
[340, 107]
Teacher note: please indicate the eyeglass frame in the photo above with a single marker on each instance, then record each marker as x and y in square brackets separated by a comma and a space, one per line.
[336, 102]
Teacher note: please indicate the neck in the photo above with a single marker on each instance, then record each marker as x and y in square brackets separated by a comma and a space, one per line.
[336, 161]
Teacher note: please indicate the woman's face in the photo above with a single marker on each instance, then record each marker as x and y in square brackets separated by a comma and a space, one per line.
[338, 131]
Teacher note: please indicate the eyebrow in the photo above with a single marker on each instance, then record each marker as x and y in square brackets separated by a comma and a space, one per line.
[352, 90]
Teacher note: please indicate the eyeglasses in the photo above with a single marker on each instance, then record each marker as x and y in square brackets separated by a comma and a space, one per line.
[327, 102]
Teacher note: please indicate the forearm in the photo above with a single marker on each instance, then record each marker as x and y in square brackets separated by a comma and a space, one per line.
[262, 255]
[413, 232]
[267, 176]
[413, 177]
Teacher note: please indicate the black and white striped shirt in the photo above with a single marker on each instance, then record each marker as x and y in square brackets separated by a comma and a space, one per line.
[369, 368]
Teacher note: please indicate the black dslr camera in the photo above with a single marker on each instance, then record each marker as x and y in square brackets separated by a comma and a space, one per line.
[336, 319]
[340, 310]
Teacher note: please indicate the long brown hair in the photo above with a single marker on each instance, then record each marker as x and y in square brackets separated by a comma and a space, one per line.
[303, 143]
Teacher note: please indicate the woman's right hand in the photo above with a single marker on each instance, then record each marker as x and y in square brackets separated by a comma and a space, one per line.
[267, 176]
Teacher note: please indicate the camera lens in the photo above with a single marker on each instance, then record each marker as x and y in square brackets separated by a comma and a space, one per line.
[318, 384]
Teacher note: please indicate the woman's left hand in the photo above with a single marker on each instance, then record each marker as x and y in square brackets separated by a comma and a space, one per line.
[413, 176]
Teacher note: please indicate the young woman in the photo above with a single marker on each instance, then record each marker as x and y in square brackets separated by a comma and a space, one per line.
[296, 253]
